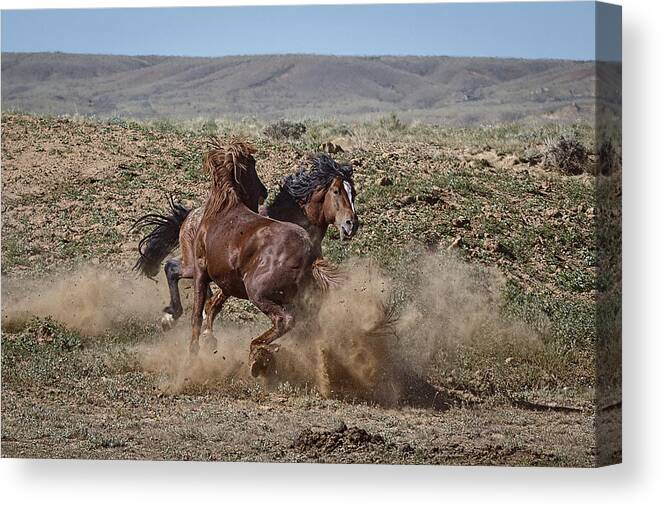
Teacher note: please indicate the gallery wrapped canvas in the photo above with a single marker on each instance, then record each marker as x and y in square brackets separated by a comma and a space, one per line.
[330, 234]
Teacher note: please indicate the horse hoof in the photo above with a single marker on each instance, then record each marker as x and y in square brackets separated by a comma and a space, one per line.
[167, 321]
[210, 342]
[255, 369]
[262, 362]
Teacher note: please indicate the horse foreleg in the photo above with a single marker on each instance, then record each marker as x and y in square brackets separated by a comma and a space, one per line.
[200, 288]
[212, 307]
[283, 321]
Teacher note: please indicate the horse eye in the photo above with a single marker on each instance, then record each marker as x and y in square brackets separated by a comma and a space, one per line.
[336, 191]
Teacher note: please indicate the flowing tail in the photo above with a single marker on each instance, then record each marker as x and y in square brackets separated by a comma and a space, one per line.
[163, 238]
[326, 274]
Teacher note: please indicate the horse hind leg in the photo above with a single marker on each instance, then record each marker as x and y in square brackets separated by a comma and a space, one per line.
[261, 354]
[174, 310]
[174, 271]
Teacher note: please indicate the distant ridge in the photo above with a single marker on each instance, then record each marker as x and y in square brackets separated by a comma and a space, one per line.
[445, 90]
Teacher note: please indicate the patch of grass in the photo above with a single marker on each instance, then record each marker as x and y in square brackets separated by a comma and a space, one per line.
[392, 123]
[570, 322]
[100, 441]
[40, 354]
[14, 252]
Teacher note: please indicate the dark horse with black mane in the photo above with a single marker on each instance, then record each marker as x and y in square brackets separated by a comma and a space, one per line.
[314, 198]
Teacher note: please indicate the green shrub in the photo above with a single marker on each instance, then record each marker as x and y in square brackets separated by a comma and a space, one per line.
[392, 123]
[566, 153]
[284, 129]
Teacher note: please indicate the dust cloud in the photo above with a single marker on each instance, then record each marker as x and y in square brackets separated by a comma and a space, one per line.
[348, 343]
[458, 306]
[341, 345]
[353, 344]
[90, 300]
[177, 372]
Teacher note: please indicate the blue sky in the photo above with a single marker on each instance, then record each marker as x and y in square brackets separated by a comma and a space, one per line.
[525, 30]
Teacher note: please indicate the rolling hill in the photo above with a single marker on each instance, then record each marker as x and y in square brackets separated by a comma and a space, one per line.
[445, 90]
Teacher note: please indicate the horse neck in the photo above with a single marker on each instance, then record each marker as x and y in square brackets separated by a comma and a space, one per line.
[285, 209]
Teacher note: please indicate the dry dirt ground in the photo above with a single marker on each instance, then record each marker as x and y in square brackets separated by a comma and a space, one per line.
[94, 423]
[512, 349]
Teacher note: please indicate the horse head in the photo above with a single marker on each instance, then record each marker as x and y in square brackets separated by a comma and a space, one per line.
[338, 207]
[327, 194]
[234, 176]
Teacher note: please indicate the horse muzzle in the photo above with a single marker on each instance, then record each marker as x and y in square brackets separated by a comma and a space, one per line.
[348, 229]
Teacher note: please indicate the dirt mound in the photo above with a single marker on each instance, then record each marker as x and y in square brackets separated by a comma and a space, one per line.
[341, 439]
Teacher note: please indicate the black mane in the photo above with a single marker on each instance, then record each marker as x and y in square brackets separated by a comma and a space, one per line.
[323, 170]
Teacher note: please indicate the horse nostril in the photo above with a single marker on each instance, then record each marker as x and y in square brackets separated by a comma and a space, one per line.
[349, 223]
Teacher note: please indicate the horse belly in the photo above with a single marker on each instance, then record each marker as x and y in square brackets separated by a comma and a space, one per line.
[225, 273]
[232, 286]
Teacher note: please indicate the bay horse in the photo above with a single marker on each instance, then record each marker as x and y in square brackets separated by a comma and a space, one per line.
[315, 197]
[248, 255]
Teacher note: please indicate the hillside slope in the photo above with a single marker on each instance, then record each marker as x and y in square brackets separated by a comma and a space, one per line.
[455, 91]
